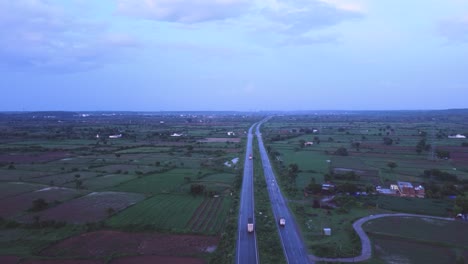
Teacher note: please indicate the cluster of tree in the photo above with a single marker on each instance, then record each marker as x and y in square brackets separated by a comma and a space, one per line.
[461, 205]
[443, 154]
[440, 175]
[197, 189]
[438, 191]
[422, 145]
[200, 189]
[293, 171]
[349, 176]
[356, 145]
[387, 141]
[342, 151]
[39, 205]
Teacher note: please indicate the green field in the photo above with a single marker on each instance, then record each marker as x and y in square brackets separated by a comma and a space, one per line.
[418, 240]
[170, 181]
[162, 212]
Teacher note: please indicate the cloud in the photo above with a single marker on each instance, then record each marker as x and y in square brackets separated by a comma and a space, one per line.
[184, 11]
[301, 16]
[455, 30]
[37, 35]
[305, 40]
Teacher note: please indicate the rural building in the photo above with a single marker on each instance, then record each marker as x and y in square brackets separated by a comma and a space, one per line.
[457, 136]
[231, 133]
[328, 187]
[419, 191]
[115, 136]
[308, 143]
[327, 231]
[386, 191]
[406, 189]
[176, 135]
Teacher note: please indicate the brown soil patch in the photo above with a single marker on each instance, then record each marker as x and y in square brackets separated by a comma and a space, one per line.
[63, 261]
[33, 157]
[105, 243]
[219, 140]
[9, 259]
[16, 204]
[90, 208]
[157, 260]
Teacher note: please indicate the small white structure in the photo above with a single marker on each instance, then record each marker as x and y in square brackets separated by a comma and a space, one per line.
[115, 136]
[231, 133]
[314, 131]
[327, 231]
[176, 135]
[308, 143]
[457, 136]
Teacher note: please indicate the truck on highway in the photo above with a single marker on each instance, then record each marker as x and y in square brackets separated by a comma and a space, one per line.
[282, 221]
[250, 225]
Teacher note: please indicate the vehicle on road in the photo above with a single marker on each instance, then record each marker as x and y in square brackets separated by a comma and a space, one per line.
[250, 225]
[282, 221]
[250, 156]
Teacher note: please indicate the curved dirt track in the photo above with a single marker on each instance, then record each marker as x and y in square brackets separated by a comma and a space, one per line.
[366, 252]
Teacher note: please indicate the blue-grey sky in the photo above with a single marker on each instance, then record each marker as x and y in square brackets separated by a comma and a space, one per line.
[152, 55]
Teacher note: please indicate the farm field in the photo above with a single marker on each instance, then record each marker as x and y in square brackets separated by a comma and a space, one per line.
[416, 240]
[12, 206]
[65, 176]
[107, 243]
[93, 207]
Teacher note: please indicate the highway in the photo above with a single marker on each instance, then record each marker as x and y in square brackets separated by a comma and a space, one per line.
[247, 242]
[293, 245]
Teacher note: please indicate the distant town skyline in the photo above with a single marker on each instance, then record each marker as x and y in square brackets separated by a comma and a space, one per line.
[237, 55]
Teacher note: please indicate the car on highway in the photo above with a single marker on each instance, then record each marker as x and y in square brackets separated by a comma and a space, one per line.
[282, 221]
[250, 225]
[250, 156]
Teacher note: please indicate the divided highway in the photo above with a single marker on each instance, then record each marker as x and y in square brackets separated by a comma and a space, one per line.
[247, 242]
[293, 246]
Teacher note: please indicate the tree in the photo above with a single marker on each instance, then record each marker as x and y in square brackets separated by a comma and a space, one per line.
[293, 168]
[341, 152]
[110, 211]
[392, 165]
[461, 205]
[314, 188]
[197, 189]
[356, 145]
[78, 184]
[302, 143]
[39, 205]
[387, 141]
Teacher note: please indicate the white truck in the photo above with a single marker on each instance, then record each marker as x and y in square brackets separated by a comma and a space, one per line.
[282, 221]
[250, 225]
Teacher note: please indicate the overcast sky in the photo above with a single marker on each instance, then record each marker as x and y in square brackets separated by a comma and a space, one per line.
[152, 55]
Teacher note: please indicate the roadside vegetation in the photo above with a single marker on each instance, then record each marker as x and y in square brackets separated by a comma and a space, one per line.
[269, 245]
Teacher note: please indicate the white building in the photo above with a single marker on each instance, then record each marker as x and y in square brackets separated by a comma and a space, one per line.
[457, 136]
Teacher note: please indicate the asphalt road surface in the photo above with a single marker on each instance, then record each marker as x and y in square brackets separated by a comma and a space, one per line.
[293, 245]
[247, 242]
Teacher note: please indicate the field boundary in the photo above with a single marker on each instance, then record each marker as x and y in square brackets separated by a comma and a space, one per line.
[366, 252]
